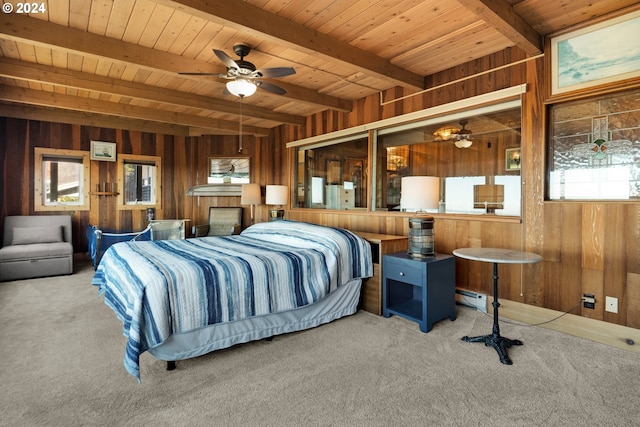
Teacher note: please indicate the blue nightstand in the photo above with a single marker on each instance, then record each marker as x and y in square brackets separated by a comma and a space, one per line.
[419, 289]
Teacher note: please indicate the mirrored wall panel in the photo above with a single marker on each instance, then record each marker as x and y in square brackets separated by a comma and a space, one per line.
[473, 159]
[333, 176]
[477, 159]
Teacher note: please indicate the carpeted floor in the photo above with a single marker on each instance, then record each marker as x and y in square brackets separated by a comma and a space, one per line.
[62, 352]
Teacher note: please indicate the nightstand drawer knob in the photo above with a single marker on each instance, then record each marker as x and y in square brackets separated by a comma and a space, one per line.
[401, 273]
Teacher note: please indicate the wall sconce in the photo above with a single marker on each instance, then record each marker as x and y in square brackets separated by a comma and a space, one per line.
[251, 196]
[420, 193]
[277, 195]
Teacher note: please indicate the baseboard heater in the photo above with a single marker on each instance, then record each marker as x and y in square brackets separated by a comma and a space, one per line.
[472, 299]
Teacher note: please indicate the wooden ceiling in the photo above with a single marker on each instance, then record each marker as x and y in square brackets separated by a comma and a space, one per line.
[116, 63]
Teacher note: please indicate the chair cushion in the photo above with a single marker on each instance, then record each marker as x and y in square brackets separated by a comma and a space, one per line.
[37, 250]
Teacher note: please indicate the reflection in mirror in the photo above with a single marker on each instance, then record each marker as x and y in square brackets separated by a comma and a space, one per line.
[477, 159]
[333, 176]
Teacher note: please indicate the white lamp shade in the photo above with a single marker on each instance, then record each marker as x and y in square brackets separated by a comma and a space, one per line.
[463, 143]
[241, 87]
[250, 194]
[419, 192]
[277, 195]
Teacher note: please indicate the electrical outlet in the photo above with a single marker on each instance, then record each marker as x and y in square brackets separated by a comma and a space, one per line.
[589, 301]
[611, 304]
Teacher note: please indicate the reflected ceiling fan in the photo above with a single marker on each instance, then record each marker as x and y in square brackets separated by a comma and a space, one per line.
[461, 136]
[243, 76]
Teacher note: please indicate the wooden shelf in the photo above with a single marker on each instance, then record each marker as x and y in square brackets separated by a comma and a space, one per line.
[103, 193]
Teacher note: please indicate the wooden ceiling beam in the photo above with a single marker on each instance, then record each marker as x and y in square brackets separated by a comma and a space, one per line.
[14, 68]
[501, 15]
[255, 21]
[56, 115]
[30, 30]
[68, 102]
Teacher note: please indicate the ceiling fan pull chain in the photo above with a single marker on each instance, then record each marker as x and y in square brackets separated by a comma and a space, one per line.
[240, 140]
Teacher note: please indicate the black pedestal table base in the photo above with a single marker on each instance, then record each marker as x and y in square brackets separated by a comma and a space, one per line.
[500, 343]
[495, 340]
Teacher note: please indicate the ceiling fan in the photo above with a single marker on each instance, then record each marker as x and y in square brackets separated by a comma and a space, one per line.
[243, 76]
[461, 136]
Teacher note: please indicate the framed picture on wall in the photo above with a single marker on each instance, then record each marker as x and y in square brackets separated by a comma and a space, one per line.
[512, 159]
[228, 170]
[602, 53]
[104, 151]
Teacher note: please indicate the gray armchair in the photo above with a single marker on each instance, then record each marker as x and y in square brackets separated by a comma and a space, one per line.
[223, 221]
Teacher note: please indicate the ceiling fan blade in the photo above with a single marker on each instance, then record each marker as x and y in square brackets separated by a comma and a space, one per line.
[225, 59]
[222, 76]
[276, 72]
[270, 87]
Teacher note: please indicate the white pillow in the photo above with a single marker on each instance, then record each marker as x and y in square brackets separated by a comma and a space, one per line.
[30, 235]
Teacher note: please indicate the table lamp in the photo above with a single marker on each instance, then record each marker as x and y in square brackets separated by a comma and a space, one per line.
[277, 196]
[250, 195]
[418, 193]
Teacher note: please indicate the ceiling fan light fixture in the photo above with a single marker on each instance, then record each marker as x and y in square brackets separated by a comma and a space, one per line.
[242, 87]
[463, 143]
[446, 133]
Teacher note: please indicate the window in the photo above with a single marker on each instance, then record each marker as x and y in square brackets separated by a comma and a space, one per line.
[139, 177]
[594, 149]
[61, 179]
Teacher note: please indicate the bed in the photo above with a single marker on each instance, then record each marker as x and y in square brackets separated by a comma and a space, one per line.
[179, 299]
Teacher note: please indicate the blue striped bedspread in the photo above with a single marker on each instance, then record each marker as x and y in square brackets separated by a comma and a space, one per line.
[159, 288]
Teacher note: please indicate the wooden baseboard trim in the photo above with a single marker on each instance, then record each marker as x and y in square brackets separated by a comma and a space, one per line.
[611, 334]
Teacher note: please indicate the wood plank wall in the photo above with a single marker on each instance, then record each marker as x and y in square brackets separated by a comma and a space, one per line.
[184, 164]
[587, 247]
